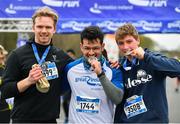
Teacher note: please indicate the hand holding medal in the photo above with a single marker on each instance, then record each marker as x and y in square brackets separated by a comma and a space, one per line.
[95, 64]
[42, 85]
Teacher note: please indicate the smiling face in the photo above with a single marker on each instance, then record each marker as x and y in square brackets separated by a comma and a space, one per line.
[43, 29]
[127, 39]
[92, 48]
[127, 44]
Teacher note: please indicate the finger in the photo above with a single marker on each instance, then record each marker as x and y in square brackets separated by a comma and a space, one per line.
[36, 74]
[114, 64]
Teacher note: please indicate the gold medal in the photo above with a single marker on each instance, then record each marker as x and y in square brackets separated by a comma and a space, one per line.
[42, 85]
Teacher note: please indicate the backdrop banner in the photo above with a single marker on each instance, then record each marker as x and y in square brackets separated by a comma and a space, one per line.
[149, 16]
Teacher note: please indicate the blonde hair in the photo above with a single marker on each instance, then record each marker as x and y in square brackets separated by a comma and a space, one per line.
[126, 29]
[2, 50]
[45, 11]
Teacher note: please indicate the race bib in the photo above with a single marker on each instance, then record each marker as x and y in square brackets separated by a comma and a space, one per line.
[134, 106]
[50, 70]
[87, 105]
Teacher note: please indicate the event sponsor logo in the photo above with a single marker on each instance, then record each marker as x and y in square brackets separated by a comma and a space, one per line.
[89, 80]
[142, 78]
[77, 26]
[149, 26]
[97, 9]
[175, 24]
[145, 25]
[10, 9]
[60, 3]
[177, 9]
[150, 3]
[110, 25]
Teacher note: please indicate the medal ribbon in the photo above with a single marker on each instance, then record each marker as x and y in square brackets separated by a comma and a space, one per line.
[40, 61]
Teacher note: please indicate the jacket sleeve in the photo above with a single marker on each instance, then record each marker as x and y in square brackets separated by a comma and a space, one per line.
[167, 66]
[10, 77]
[114, 89]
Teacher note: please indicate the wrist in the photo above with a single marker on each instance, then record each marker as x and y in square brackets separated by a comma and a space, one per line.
[101, 74]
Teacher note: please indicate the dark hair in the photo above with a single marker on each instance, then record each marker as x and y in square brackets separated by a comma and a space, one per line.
[92, 33]
[71, 51]
[104, 53]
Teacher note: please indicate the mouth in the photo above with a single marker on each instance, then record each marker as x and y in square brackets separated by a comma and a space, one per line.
[127, 53]
[43, 37]
[92, 58]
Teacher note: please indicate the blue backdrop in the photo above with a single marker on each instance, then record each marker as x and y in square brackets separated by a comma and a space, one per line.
[149, 16]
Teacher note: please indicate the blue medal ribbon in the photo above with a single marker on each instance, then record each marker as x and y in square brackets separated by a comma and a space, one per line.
[126, 66]
[40, 61]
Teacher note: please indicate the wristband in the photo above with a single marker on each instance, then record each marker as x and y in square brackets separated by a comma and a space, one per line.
[101, 74]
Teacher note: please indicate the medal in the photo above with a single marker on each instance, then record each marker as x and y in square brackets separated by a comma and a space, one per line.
[92, 58]
[42, 85]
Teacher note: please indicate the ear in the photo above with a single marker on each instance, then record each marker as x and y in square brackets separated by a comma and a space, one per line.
[54, 29]
[138, 40]
[81, 46]
[103, 45]
[33, 28]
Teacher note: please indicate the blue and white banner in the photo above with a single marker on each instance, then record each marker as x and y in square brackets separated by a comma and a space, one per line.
[149, 16]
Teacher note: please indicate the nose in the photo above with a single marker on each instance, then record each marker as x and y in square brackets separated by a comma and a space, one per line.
[126, 46]
[91, 52]
[43, 29]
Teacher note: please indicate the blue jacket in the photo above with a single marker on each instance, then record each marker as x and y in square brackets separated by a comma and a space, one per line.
[145, 89]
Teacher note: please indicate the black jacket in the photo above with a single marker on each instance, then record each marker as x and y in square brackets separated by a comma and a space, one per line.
[31, 104]
[3, 105]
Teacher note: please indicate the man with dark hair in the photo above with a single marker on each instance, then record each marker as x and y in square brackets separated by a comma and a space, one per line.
[91, 80]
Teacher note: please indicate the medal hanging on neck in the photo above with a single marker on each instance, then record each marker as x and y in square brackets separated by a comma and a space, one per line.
[42, 85]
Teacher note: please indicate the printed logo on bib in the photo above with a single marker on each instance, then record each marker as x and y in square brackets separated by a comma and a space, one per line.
[50, 70]
[134, 106]
[87, 105]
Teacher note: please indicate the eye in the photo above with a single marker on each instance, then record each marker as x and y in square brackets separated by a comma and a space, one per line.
[86, 48]
[48, 27]
[129, 41]
[119, 43]
[39, 26]
[96, 48]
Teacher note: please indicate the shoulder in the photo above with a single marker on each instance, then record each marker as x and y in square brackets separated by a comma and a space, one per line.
[115, 71]
[56, 49]
[25, 47]
[155, 53]
[74, 63]
[61, 55]
[23, 50]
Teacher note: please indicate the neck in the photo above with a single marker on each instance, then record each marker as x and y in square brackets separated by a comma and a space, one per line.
[129, 58]
[42, 44]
